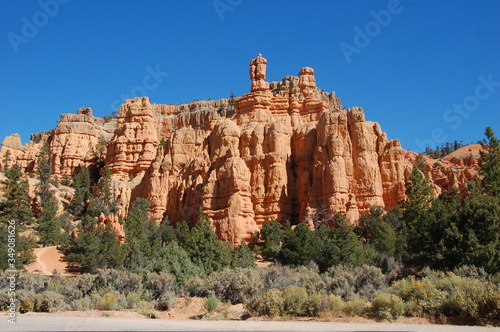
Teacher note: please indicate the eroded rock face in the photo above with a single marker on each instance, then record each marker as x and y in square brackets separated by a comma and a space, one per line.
[285, 150]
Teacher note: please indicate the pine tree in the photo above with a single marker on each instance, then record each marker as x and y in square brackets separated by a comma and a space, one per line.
[16, 205]
[44, 171]
[81, 183]
[490, 163]
[419, 194]
[93, 247]
[204, 247]
[104, 202]
[49, 225]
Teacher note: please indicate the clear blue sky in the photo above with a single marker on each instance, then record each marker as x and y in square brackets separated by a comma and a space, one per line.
[407, 72]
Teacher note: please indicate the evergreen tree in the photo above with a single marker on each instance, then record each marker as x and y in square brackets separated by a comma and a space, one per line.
[300, 246]
[16, 204]
[272, 234]
[6, 161]
[81, 183]
[104, 202]
[490, 163]
[204, 247]
[49, 225]
[176, 260]
[93, 247]
[242, 257]
[419, 195]
[44, 171]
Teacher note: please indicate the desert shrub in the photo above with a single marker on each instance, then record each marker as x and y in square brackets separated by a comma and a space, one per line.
[4, 299]
[123, 282]
[489, 306]
[49, 301]
[165, 301]
[83, 304]
[294, 300]
[334, 303]
[108, 301]
[388, 306]
[85, 283]
[308, 277]
[196, 287]
[211, 303]
[423, 294]
[35, 282]
[268, 304]
[159, 284]
[237, 286]
[314, 304]
[276, 277]
[65, 286]
[146, 308]
[471, 271]
[356, 307]
[349, 282]
[25, 300]
[133, 300]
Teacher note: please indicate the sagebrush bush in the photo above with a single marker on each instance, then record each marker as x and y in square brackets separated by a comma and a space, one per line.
[236, 286]
[146, 309]
[308, 277]
[356, 307]
[165, 301]
[196, 287]
[363, 282]
[83, 304]
[108, 301]
[334, 303]
[211, 303]
[488, 307]
[26, 300]
[423, 294]
[123, 282]
[276, 277]
[49, 301]
[160, 283]
[294, 300]
[132, 300]
[314, 304]
[268, 304]
[388, 306]
[35, 282]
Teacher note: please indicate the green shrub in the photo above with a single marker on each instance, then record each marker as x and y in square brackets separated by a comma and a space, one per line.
[356, 307]
[196, 287]
[35, 282]
[25, 301]
[165, 301]
[294, 301]
[146, 309]
[133, 300]
[489, 306]
[211, 303]
[423, 294]
[352, 282]
[314, 305]
[123, 282]
[159, 284]
[308, 277]
[109, 301]
[334, 303]
[237, 286]
[268, 304]
[388, 306]
[83, 304]
[49, 301]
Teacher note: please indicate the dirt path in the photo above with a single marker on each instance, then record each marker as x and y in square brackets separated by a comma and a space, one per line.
[48, 259]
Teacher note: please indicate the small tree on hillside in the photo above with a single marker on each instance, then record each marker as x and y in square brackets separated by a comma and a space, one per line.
[490, 163]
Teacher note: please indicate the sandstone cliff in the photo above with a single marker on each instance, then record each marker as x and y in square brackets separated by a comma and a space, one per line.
[285, 150]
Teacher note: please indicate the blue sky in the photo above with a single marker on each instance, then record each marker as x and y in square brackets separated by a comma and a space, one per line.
[427, 71]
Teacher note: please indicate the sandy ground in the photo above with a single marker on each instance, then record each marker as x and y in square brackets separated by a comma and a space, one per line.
[464, 152]
[48, 259]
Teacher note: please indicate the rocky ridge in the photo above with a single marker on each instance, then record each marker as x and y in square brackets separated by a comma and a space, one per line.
[285, 150]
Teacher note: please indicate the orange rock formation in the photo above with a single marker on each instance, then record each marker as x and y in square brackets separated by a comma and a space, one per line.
[285, 150]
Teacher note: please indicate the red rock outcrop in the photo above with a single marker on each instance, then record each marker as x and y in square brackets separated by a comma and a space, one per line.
[285, 150]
